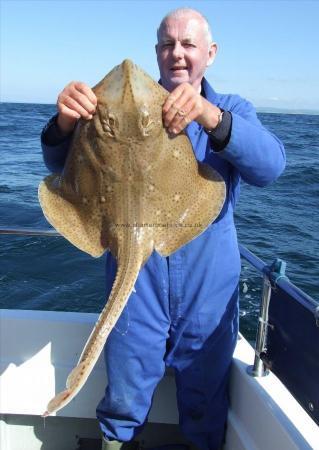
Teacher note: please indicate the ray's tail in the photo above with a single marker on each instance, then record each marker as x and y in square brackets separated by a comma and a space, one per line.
[130, 263]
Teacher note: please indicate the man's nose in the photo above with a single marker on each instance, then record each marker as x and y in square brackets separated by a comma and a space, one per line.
[178, 51]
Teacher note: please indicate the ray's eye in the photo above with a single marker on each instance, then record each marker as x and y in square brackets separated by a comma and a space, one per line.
[110, 123]
[146, 123]
[145, 119]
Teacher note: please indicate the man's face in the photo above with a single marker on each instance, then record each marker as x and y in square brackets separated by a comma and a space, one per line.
[183, 52]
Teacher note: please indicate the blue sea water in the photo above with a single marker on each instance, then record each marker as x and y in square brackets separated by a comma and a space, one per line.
[281, 220]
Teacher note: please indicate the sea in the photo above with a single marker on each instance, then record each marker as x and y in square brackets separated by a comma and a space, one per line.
[48, 273]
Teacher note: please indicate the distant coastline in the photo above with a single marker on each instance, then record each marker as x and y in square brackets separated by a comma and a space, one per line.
[260, 109]
[270, 110]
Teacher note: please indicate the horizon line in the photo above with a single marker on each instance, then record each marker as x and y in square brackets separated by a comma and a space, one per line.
[259, 109]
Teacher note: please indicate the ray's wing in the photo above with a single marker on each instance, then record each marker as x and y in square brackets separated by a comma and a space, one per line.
[77, 203]
[184, 197]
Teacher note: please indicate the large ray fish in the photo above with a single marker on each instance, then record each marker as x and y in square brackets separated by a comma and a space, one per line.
[130, 188]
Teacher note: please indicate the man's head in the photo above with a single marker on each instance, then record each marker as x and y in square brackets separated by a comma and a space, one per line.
[184, 48]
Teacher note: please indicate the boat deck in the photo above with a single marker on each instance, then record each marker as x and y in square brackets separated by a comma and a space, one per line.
[38, 350]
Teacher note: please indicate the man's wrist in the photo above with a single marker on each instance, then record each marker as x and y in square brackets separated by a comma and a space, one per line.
[220, 135]
[219, 118]
[64, 127]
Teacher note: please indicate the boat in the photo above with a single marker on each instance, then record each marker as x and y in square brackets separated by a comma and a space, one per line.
[274, 387]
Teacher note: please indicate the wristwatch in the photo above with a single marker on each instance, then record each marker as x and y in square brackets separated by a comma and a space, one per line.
[220, 119]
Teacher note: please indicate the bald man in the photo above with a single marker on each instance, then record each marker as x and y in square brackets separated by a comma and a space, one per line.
[184, 313]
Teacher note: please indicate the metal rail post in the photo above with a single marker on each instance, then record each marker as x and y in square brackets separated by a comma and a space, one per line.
[259, 369]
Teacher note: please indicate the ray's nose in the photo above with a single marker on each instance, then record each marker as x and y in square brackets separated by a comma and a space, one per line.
[127, 65]
[129, 75]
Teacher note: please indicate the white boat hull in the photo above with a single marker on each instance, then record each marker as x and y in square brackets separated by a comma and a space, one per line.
[38, 349]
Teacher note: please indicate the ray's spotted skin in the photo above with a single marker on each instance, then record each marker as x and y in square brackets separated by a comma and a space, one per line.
[128, 187]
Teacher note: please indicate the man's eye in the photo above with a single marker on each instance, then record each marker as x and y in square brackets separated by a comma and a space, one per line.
[188, 45]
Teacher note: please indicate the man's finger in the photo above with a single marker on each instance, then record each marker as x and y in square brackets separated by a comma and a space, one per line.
[173, 97]
[84, 101]
[178, 121]
[87, 91]
[85, 111]
[181, 121]
[69, 112]
[178, 109]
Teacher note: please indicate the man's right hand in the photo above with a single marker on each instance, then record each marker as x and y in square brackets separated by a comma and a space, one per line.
[77, 100]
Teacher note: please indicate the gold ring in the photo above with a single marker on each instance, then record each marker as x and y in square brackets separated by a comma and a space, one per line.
[181, 112]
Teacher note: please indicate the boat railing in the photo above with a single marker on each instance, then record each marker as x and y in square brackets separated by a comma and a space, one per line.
[288, 324]
[287, 339]
[274, 277]
[29, 232]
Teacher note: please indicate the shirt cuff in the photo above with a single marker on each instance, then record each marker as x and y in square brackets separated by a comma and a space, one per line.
[51, 134]
[221, 135]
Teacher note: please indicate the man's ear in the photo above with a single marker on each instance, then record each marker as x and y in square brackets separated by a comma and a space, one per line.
[212, 53]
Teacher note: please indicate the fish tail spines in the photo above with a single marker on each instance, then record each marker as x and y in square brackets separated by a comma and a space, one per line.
[60, 400]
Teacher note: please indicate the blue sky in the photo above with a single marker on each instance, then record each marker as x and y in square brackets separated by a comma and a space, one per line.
[268, 50]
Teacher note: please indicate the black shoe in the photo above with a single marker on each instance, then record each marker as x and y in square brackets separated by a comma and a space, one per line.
[117, 445]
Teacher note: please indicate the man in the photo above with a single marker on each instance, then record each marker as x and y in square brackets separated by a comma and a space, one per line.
[184, 313]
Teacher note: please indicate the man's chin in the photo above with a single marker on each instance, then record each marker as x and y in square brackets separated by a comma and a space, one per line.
[175, 81]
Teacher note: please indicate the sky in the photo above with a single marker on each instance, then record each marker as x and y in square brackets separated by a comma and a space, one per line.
[267, 50]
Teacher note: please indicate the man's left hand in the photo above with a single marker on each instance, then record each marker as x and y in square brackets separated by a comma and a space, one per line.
[183, 105]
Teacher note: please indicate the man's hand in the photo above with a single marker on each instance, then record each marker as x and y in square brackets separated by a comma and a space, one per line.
[183, 105]
[75, 101]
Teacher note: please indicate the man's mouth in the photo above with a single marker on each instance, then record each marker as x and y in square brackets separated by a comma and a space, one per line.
[178, 68]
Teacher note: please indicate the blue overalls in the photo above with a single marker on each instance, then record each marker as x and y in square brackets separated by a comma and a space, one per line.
[184, 311]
